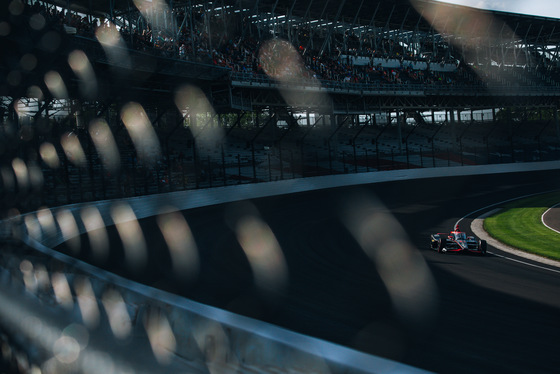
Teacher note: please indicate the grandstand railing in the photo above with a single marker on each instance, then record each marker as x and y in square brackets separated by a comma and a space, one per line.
[407, 89]
[206, 70]
[173, 65]
[266, 163]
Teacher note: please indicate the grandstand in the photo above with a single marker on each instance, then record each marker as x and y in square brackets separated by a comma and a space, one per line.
[115, 99]
[357, 93]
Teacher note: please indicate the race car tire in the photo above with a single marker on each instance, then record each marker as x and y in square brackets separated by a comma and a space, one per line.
[482, 246]
[441, 245]
[434, 244]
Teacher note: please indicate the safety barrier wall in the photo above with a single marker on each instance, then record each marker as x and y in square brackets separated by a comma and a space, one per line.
[200, 337]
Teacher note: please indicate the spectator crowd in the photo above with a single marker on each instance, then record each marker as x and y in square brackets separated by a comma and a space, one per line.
[236, 43]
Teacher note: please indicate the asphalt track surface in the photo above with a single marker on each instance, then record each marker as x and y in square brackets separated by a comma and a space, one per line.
[468, 314]
[551, 218]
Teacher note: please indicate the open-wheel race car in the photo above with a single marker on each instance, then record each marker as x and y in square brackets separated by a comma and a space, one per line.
[457, 241]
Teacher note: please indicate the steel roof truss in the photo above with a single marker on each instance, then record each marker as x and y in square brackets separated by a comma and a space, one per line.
[328, 36]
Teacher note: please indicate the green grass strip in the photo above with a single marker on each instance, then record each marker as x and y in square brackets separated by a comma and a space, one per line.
[519, 225]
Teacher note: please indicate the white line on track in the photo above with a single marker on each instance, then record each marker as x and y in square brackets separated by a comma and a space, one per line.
[542, 218]
[505, 248]
[525, 263]
[501, 202]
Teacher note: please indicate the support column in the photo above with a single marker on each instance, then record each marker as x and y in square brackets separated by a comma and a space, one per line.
[510, 123]
[556, 124]
[453, 125]
[399, 128]
[193, 124]
[333, 124]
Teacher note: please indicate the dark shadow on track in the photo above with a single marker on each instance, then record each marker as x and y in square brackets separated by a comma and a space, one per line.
[490, 315]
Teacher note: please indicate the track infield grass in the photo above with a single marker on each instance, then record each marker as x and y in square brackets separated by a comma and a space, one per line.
[519, 225]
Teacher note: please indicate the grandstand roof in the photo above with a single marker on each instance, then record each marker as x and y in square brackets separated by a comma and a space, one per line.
[395, 14]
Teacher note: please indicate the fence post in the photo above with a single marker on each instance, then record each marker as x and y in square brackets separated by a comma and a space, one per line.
[169, 166]
[134, 176]
[67, 178]
[292, 164]
[146, 180]
[81, 184]
[330, 159]
[195, 163]
[209, 171]
[102, 175]
[121, 186]
[302, 158]
[254, 162]
[159, 184]
[224, 166]
[281, 163]
[355, 158]
[377, 152]
[407, 158]
[269, 169]
[239, 167]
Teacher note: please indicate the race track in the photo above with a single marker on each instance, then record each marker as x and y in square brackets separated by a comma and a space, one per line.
[444, 313]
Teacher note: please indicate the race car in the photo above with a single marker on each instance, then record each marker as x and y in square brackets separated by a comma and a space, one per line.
[457, 242]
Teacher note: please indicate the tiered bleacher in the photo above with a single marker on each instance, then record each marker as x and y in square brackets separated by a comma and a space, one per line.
[248, 152]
